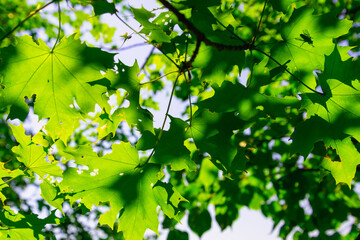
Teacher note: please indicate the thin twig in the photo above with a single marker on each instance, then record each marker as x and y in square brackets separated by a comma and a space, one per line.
[258, 28]
[189, 97]
[200, 35]
[188, 81]
[282, 66]
[27, 18]
[252, 69]
[156, 79]
[108, 49]
[147, 58]
[297, 169]
[7, 181]
[163, 125]
[12, 178]
[58, 36]
[146, 40]
[232, 33]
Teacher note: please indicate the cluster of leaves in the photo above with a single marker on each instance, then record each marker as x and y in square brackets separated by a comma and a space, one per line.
[287, 134]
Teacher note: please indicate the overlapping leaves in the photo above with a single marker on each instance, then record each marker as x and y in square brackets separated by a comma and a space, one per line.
[23, 226]
[306, 39]
[333, 116]
[65, 83]
[32, 154]
[132, 191]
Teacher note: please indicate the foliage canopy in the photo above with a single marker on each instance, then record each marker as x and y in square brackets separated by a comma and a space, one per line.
[269, 116]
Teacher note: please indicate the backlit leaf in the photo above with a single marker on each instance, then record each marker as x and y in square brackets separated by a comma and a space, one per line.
[32, 154]
[57, 78]
[6, 173]
[118, 179]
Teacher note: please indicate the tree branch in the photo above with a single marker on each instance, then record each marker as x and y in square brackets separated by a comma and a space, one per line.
[59, 33]
[27, 18]
[200, 35]
[163, 125]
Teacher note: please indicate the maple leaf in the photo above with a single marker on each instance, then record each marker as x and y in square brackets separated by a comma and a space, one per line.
[23, 226]
[50, 193]
[247, 102]
[212, 134]
[102, 7]
[56, 77]
[127, 79]
[213, 70]
[32, 154]
[6, 173]
[171, 150]
[154, 31]
[117, 178]
[340, 102]
[306, 39]
[338, 108]
[316, 129]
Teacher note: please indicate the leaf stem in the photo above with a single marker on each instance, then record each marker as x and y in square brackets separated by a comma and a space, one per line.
[156, 79]
[188, 81]
[232, 33]
[258, 28]
[123, 48]
[12, 178]
[163, 125]
[282, 66]
[189, 96]
[252, 69]
[24, 20]
[146, 40]
[200, 35]
[148, 57]
[59, 32]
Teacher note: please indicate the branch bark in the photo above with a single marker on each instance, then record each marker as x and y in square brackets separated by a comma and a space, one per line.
[201, 37]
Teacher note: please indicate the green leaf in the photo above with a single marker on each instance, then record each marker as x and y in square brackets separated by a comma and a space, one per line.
[142, 16]
[49, 193]
[6, 173]
[226, 214]
[306, 39]
[212, 134]
[281, 5]
[317, 129]
[168, 199]
[208, 173]
[23, 226]
[117, 178]
[171, 149]
[345, 170]
[340, 102]
[213, 70]
[103, 6]
[56, 78]
[156, 32]
[127, 79]
[32, 154]
[199, 220]
[198, 3]
[176, 234]
[247, 102]
[338, 106]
